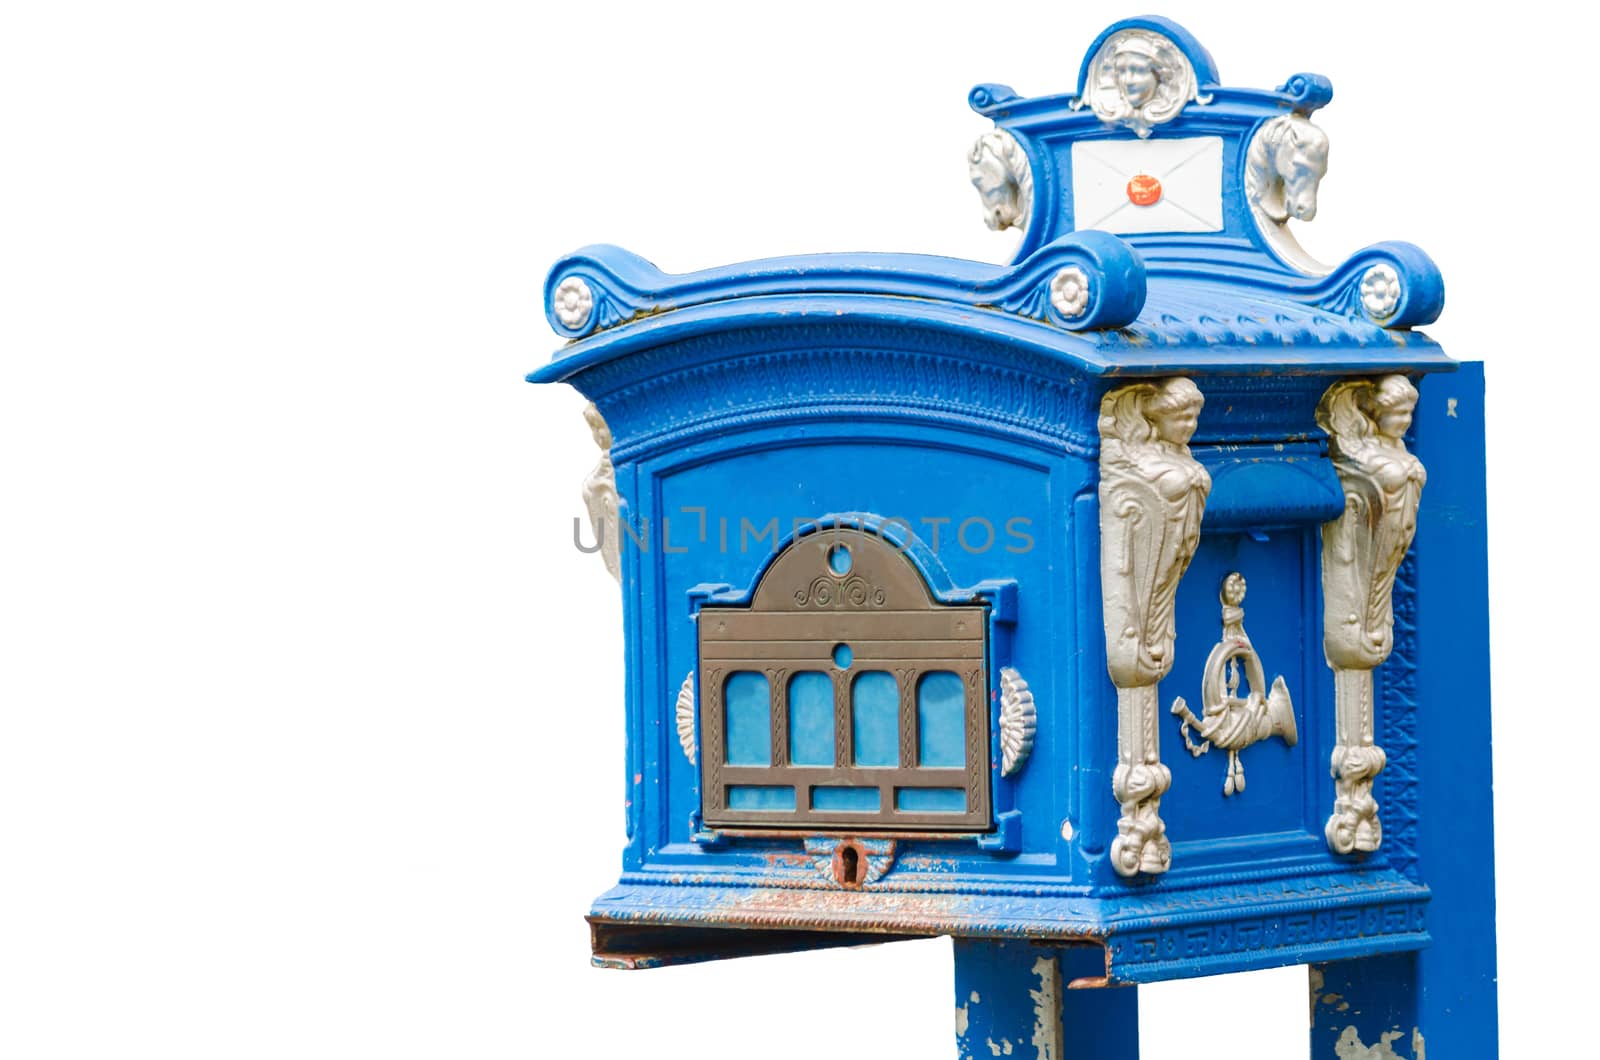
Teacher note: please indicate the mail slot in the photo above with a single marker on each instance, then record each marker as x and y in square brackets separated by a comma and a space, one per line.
[1118, 612]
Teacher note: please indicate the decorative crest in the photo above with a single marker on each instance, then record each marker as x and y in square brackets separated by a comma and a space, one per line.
[1153, 149]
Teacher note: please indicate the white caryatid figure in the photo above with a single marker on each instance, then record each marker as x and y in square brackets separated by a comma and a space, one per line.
[1152, 497]
[600, 495]
[1366, 421]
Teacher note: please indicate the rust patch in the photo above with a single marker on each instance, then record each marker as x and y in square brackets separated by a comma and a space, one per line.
[787, 859]
[1094, 982]
[870, 911]
[846, 909]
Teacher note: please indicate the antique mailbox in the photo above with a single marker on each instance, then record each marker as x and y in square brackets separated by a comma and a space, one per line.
[1119, 612]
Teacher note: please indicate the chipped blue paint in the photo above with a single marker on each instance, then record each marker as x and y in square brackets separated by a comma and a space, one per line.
[1014, 998]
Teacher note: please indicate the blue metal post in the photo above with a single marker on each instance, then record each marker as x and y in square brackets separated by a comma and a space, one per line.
[1367, 1007]
[1015, 998]
[1443, 996]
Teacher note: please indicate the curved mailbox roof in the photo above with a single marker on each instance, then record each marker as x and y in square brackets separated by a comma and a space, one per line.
[1156, 208]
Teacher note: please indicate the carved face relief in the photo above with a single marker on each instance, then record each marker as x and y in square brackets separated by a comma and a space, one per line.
[1391, 408]
[1176, 426]
[1393, 423]
[1137, 79]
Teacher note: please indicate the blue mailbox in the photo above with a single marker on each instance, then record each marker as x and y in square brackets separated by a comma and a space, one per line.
[1119, 612]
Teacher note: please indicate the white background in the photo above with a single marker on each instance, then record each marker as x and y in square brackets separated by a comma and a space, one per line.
[312, 727]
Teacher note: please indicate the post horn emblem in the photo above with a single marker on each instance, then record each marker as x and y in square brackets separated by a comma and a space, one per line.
[1226, 720]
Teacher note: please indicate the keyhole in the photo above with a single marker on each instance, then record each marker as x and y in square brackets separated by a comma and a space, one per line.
[847, 867]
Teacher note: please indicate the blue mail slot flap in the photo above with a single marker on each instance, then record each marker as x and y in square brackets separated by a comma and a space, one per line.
[1263, 486]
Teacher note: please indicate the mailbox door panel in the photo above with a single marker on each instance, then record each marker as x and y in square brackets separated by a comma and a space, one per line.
[985, 508]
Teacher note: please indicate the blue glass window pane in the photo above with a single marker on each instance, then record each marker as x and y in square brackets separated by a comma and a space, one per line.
[875, 711]
[851, 800]
[930, 800]
[941, 720]
[760, 797]
[811, 719]
[748, 700]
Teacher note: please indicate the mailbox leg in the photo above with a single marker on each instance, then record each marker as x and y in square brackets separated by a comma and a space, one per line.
[1367, 1008]
[1012, 999]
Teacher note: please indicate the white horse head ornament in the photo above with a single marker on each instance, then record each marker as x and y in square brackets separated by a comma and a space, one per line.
[1285, 163]
[1000, 171]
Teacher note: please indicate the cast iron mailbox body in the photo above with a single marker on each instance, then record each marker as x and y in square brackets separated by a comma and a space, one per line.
[952, 591]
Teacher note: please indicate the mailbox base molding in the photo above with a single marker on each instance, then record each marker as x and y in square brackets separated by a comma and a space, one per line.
[1178, 934]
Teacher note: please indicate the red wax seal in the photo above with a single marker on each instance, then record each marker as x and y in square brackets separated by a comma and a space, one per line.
[1144, 190]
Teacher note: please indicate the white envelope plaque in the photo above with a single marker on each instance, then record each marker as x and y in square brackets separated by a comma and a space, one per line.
[1132, 186]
